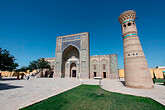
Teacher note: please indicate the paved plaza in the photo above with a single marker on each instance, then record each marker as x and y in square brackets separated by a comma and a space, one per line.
[157, 93]
[15, 94]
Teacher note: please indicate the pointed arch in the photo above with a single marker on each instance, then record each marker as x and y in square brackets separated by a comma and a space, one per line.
[69, 52]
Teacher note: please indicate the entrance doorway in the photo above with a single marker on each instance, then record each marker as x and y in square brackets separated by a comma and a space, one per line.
[94, 74]
[104, 74]
[73, 73]
[70, 53]
[73, 70]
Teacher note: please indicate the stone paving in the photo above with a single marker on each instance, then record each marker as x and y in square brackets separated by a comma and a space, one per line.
[157, 93]
[15, 94]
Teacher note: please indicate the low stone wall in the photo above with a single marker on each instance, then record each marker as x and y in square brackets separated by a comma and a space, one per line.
[158, 72]
[10, 74]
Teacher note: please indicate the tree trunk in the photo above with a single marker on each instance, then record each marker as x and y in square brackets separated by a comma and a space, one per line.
[41, 72]
[17, 75]
[10, 73]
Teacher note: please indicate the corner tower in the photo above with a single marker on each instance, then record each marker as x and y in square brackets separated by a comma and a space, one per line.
[136, 69]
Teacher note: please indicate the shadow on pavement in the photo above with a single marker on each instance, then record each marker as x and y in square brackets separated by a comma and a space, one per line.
[4, 79]
[123, 82]
[9, 79]
[7, 86]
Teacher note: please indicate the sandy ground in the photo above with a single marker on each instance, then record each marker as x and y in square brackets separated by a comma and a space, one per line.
[15, 94]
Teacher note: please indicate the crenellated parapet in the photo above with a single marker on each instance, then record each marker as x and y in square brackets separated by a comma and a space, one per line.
[127, 21]
[129, 15]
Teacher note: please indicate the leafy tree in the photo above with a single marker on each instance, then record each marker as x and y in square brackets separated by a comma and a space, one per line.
[39, 64]
[42, 64]
[33, 66]
[7, 61]
[23, 69]
[17, 72]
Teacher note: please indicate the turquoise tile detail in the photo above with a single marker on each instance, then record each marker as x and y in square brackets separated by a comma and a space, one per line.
[127, 21]
[130, 35]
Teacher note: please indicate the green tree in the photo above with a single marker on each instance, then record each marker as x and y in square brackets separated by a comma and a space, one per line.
[42, 64]
[7, 61]
[13, 67]
[24, 69]
[17, 72]
[33, 65]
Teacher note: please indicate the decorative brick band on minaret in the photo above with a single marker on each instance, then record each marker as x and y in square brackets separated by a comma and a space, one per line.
[136, 69]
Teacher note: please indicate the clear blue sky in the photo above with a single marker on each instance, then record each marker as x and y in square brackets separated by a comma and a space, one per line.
[28, 28]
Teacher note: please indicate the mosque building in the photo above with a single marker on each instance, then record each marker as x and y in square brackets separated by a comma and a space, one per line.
[73, 60]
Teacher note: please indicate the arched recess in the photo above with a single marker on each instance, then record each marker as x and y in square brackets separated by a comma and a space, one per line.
[69, 52]
[94, 63]
[104, 62]
[94, 68]
[73, 70]
[104, 68]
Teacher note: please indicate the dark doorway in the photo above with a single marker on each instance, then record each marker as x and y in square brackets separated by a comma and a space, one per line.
[94, 74]
[73, 73]
[104, 74]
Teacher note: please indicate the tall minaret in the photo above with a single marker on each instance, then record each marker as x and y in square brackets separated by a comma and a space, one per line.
[137, 74]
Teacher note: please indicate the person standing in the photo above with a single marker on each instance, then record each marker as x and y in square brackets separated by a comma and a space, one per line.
[25, 75]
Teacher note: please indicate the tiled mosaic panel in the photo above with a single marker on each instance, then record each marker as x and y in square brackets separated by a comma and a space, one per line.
[75, 43]
[71, 38]
[73, 62]
[58, 45]
[113, 64]
[83, 55]
[84, 42]
[83, 66]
